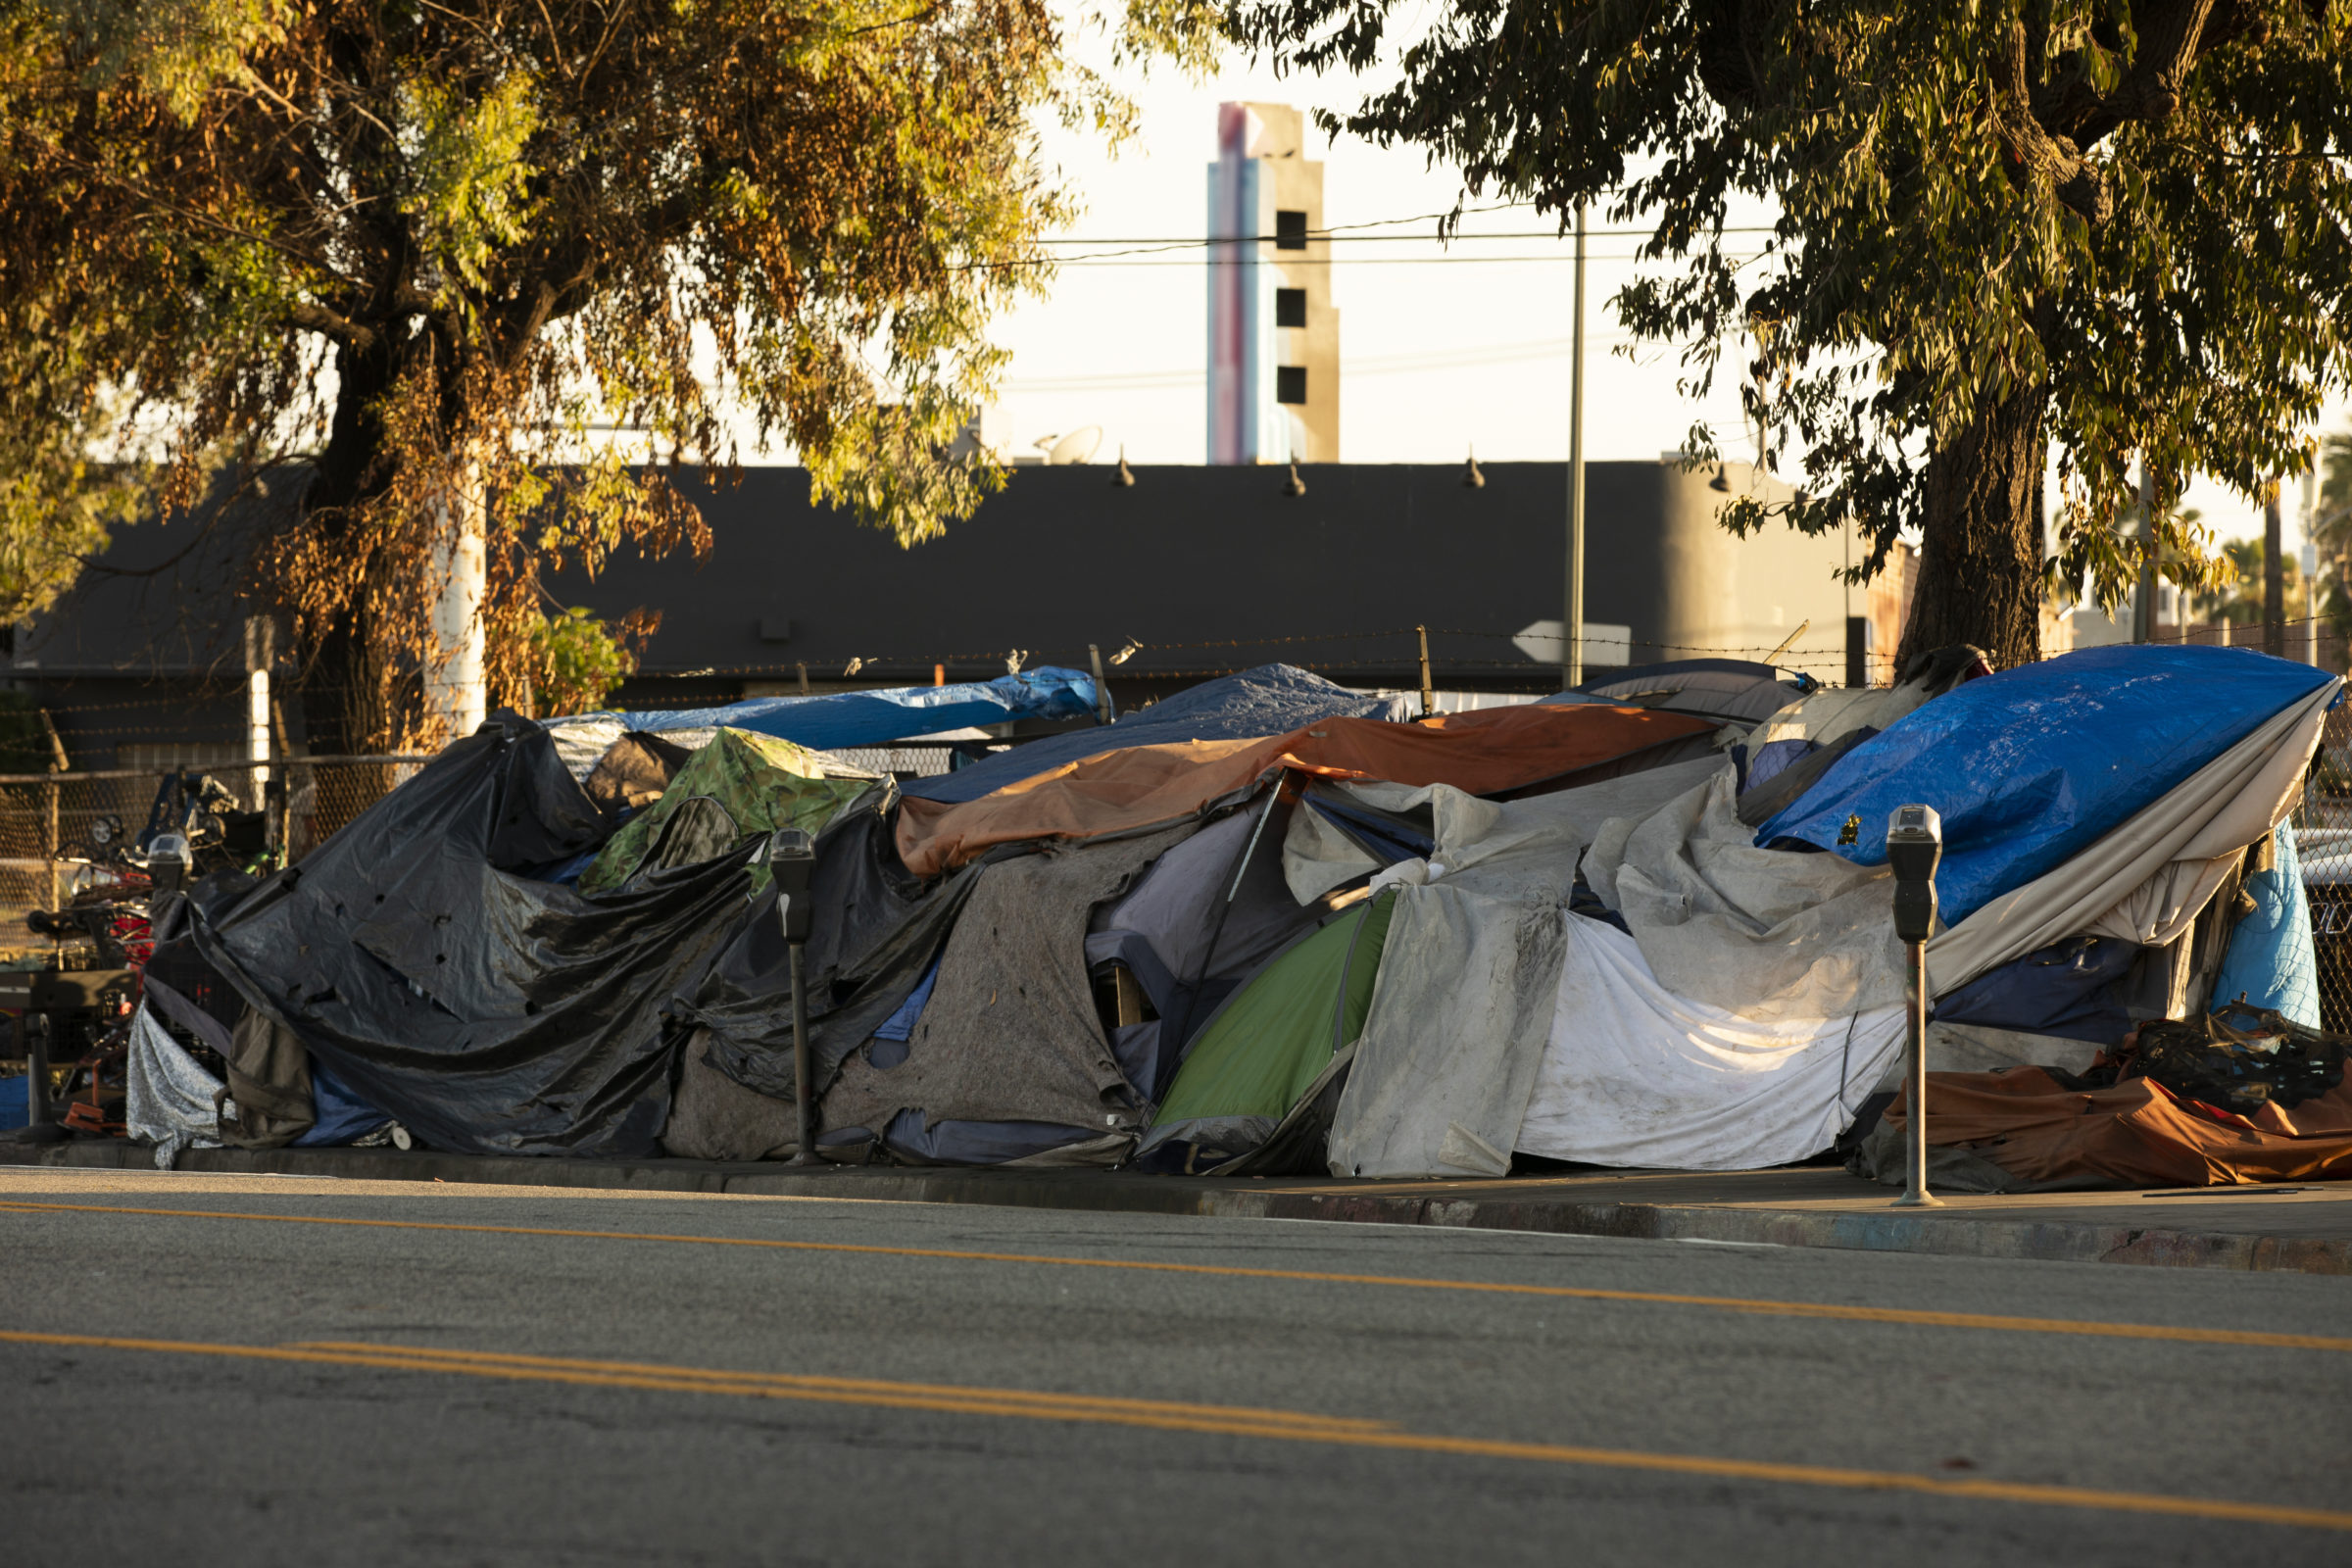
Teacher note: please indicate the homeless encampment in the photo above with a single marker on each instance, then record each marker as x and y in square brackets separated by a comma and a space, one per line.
[966, 1027]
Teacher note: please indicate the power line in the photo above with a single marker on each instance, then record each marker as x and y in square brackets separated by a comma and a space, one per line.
[1075, 262]
[1335, 237]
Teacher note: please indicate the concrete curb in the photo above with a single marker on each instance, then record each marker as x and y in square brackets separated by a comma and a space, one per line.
[1953, 1234]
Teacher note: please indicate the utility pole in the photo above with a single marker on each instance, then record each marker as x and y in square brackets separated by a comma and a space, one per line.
[2274, 574]
[2143, 613]
[1571, 623]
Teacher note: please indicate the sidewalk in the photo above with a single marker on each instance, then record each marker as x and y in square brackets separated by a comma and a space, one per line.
[2305, 1228]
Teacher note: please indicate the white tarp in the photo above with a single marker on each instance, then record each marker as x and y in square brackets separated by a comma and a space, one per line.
[1636, 1075]
[1469, 977]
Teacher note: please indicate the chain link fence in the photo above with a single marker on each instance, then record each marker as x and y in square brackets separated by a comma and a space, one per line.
[55, 827]
[2324, 846]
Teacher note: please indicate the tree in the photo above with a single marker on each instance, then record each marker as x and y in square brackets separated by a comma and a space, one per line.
[2116, 228]
[426, 245]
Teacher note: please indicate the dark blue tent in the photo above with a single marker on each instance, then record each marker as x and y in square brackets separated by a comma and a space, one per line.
[2031, 765]
[1270, 700]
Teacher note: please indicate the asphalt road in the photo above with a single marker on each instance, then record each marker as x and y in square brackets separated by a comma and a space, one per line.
[780, 1381]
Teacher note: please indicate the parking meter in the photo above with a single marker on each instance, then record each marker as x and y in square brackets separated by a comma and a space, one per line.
[168, 862]
[792, 860]
[1914, 849]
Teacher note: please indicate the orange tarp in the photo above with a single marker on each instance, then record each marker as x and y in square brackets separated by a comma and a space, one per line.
[2135, 1134]
[1141, 787]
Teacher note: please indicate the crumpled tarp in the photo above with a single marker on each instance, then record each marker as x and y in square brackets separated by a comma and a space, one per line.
[490, 1012]
[741, 786]
[2149, 879]
[1634, 1075]
[1469, 978]
[2029, 766]
[1011, 1033]
[2272, 961]
[1729, 691]
[169, 1099]
[839, 720]
[1765, 933]
[1270, 700]
[2025, 1130]
[1483, 752]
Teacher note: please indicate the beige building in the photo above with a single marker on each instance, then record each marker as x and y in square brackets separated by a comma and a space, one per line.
[1273, 334]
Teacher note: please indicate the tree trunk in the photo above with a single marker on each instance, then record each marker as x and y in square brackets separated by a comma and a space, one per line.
[1980, 554]
[341, 703]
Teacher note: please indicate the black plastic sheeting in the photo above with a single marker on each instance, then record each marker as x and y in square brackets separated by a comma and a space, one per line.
[877, 930]
[487, 1011]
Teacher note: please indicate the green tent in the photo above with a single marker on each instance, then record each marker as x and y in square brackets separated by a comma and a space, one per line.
[1267, 1046]
[740, 786]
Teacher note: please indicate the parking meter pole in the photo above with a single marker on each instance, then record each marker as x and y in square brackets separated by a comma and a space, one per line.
[1914, 849]
[1915, 1081]
[792, 860]
[804, 1148]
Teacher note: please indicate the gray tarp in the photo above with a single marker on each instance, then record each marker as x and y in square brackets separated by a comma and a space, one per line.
[1770, 934]
[1011, 1032]
[169, 1098]
[1470, 976]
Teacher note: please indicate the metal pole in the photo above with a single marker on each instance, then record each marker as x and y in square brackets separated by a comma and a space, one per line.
[2274, 574]
[2143, 613]
[804, 1151]
[49, 834]
[35, 1040]
[1915, 1081]
[1572, 624]
[1429, 695]
[1094, 653]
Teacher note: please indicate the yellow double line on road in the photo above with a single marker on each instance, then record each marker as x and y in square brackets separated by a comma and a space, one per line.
[1727, 1303]
[1239, 1421]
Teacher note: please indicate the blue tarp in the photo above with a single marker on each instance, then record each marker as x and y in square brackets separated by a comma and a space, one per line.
[342, 1113]
[837, 720]
[2029, 766]
[2272, 960]
[1270, 700]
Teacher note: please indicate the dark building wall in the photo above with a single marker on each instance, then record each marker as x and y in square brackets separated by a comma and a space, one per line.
[1211, 569]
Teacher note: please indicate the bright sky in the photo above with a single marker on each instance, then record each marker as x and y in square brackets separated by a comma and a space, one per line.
[1441, 348]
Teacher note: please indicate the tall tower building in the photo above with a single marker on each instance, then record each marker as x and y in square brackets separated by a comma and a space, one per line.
[1273, 336]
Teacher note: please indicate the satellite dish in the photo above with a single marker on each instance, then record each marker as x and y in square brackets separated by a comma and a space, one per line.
[1076, 446]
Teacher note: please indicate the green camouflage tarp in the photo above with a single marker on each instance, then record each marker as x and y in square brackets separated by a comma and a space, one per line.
[740, 786]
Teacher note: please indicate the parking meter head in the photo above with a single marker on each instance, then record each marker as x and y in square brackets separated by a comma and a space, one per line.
[1914, 849]
[168, 861]
[792, 859]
